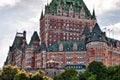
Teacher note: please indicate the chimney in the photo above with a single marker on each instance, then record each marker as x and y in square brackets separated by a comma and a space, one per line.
[24, 34]
[104, 33]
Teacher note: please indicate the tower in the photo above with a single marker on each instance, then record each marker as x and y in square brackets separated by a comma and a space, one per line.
[64, 20]
[96, 44]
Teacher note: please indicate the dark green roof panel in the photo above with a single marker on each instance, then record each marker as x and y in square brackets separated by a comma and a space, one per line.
[34, 37]
[77, 5]
[86, 31]
[96, 35]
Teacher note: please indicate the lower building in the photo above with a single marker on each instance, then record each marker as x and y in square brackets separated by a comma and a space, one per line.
[94, 46]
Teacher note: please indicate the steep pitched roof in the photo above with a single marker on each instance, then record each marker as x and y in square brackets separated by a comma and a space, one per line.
[77, 5]
[111, 42]
[17, 42]
[96, 35]
[86, 31]
[34, 37]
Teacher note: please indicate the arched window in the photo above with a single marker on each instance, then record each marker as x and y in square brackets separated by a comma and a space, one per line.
[61, 47]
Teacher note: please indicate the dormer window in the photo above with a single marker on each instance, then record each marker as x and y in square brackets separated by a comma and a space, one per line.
[61, 47]
[59, 10]
[82, 13]
[94, 34]
[75, 46]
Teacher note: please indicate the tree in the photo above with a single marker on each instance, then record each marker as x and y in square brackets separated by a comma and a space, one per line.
[98, 69]
[68, 74]
[92, 77]
[9, 72]
[74, 78]
[113, 73]
[47, 78]
[58, 77]
[21, 75]
[85, 75]
[38, 75]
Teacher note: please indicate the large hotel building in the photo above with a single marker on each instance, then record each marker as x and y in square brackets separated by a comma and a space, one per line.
[69, 37]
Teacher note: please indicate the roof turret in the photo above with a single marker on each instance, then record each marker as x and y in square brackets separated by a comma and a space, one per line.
[96, 35]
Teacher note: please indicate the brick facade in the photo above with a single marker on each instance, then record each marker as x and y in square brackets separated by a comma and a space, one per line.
[69, 36]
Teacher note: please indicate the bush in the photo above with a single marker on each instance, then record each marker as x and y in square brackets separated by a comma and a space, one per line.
[22, 75]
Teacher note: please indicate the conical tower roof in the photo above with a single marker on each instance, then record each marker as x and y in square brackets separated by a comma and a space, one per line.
[96, 35]
[34, 37]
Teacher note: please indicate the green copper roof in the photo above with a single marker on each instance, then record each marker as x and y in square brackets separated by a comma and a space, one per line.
[96, 35]
[34, 37]
[67, 46]
[77, 5]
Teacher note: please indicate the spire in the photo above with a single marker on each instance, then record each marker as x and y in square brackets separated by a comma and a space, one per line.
[41, 15]
[93, 15]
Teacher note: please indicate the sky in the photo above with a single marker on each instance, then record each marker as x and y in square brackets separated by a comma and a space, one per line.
[20, 15]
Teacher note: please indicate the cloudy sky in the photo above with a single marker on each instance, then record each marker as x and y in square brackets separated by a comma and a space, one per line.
[19, 15]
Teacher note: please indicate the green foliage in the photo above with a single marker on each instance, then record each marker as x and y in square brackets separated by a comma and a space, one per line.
[113, 73]
[22, 75]
[68, 74]
[95, 71]
[47, 78]
[85, 75]
[38, 75]
[9, 72]
[92, 77]
[74, 78]
[58, 77]
[98, 69]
